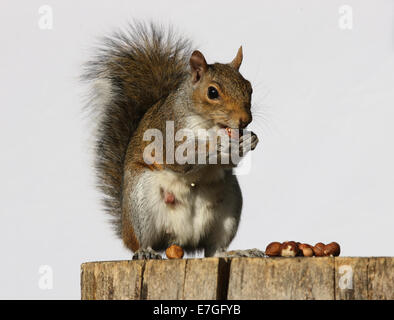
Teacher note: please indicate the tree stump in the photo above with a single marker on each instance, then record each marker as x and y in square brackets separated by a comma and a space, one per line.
[328, 278]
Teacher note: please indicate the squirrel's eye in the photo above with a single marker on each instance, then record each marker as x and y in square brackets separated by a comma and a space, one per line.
[213, 93]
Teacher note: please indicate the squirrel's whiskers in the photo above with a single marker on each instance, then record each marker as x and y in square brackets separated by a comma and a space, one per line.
[148, 77]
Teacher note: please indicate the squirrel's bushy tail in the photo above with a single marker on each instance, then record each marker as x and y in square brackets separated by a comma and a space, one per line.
[131, 71]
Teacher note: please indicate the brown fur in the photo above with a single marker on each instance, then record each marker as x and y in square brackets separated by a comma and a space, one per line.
[145, 68]
[233, 108]
[143, 65]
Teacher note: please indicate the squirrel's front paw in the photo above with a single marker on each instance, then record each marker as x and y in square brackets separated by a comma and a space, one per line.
[247, 142]
[236, 149]
[146, 254]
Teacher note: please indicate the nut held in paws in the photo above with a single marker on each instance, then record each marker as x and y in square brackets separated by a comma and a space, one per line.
[174, 252]
[232, 133]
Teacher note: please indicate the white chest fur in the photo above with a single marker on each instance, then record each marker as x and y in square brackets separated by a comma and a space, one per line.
[194, 210]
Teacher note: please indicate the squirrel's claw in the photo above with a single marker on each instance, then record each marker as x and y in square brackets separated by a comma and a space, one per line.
[247, 143]
[146, 254]
[250, 253]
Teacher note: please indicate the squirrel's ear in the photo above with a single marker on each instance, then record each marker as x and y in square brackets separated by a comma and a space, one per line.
[198, 65]
[236, 63]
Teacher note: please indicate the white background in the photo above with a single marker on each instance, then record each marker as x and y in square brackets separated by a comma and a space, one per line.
[322, 172]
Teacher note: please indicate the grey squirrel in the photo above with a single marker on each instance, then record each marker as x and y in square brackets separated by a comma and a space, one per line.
[141, 79]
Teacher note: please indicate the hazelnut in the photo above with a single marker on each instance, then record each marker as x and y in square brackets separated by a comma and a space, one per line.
[332, 249]
[289, 249]
[232, 133]
[320, 245]
[273, 249]
[299, 251]
[174, 252]
[306, 250]
[318, 249]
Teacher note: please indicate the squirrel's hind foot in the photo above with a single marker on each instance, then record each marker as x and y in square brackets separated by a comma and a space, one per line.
[250, 253]
[146, 254]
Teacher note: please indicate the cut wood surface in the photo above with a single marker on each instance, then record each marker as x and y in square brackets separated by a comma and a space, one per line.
[341, 278]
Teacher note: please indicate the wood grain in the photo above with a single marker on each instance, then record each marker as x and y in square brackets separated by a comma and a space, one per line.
[206, 279]
[341, 278]
[281, 278]
[116, 280]
[381, 278]
[351, 278]
[164, 279]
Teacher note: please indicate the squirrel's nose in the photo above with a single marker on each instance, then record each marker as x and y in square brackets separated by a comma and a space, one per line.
[244, 121]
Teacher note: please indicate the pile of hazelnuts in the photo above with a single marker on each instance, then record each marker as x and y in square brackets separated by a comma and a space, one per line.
[293, 249]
